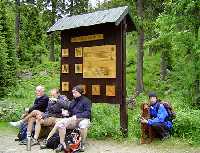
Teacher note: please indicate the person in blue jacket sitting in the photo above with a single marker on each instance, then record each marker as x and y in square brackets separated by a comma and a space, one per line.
[159, 120]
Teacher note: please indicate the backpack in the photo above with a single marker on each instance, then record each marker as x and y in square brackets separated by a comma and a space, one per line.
[23, 131]
[169, 109]
[72, 140]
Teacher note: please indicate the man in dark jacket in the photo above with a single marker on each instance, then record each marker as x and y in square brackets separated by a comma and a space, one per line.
[40, 105]
[159, 117]
[80, 114]
[56, 104]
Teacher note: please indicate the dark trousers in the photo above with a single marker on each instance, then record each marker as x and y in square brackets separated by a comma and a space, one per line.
[160, 130]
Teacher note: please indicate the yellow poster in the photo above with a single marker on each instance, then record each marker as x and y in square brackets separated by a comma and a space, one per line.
[87, 38]
[65, 86]
[99, 61]
[65, 52]
[78, 68]
[110, 90]
[65, 68]
[95, 89]
[78, 52]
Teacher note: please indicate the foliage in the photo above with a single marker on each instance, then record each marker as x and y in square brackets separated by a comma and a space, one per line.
[8, 61]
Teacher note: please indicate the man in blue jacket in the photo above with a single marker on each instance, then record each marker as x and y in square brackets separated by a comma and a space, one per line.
[159, 117]
[80, 114]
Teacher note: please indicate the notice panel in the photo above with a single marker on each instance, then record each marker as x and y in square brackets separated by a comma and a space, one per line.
[99, 61]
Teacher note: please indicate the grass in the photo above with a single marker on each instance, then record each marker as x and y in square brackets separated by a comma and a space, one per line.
[105, 117]
[5, 128]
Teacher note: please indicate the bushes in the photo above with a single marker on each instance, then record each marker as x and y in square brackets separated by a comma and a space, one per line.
[105, 117]
[23, 94]
[187, 125]
[105, 121]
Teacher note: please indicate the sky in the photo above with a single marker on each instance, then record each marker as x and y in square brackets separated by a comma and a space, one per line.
[93, 2]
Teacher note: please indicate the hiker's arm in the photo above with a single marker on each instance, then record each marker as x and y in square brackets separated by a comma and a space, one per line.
[86, 113]
[161, 115]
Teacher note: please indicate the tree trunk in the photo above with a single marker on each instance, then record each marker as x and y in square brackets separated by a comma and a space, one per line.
[71, 7]
[140, 50]
[197, 77]
[52, 35]
[52, 56]
[17, 28]
[163, 65]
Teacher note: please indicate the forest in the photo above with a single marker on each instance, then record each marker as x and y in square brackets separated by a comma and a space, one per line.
[163, 55]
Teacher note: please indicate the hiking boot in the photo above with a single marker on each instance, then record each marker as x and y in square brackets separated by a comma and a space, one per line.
[59, 148]
[23, 142]
[34, 142]
[165, 137]
[44, 144]
[17, 139]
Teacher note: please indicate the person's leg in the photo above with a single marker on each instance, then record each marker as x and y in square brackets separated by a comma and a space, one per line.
[31, 121]
[55, 128]
[68, 123]
[161, 131]
[34, 113]
[62, 132]
[83, 125]
[38, 128]
[47, 122]
[26, 118]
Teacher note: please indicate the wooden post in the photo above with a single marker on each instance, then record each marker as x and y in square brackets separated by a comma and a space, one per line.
[123, 108]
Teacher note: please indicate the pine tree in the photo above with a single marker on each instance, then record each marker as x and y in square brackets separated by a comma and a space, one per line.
[8, 60]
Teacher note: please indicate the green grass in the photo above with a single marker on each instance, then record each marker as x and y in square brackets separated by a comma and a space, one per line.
[5, 128]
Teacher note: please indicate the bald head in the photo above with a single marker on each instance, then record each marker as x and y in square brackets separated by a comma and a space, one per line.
[54, 93]
[39, 91]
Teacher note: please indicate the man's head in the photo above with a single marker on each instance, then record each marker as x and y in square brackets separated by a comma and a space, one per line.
[54, 93]
[39, 90]
[77, 91]
[152, 97]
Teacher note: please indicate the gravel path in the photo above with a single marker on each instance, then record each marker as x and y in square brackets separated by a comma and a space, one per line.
[8, 145]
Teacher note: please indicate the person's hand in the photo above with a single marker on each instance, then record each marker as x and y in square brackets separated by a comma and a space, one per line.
[39, 116]
[143, 120]
[53, 99]
[74, 117]
[26, 110]
[65, 112]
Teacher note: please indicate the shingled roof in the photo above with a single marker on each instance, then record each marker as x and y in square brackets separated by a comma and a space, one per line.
[115, 15]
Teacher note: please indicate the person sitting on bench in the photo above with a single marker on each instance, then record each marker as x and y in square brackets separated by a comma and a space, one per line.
[80, 114]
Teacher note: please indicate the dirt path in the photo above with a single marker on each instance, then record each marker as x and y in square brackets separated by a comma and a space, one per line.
[8, 145]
